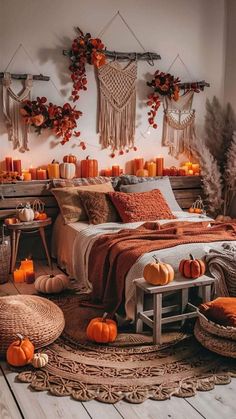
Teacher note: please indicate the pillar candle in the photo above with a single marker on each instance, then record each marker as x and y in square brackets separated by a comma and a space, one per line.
[138, 163]
[152, 168]
[33, 173]
[27, 265]
[195, 168]
[53, 171]
[8, 164]
[115, 170]
[19, 275]
[17, 166]
[27, 175]
[41, 174]
[160, 166]
[29, 277]
[188, 164]
[190, 172]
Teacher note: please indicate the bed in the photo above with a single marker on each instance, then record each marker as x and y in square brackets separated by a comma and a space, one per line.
[72, 243]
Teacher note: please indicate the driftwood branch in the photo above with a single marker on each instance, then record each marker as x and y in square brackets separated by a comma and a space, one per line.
[200, 84]
[123, 56]
[24, 76]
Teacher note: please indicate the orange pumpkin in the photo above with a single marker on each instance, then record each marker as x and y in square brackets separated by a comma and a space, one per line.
[89, 167]
[192, 268]
[70, 158]
[158, 273]
[20, 352]
[142, 173]
[102, 330]
[40, 216]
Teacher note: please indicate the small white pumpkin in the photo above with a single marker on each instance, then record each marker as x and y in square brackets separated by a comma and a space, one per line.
[51, 284]
[39, 360]
[67, 170]
[26, 213]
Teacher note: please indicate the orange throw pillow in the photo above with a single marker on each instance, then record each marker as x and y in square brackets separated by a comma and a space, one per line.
[142, 206]
[222, 310]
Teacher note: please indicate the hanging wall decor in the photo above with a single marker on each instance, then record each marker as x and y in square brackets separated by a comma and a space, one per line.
[18, 132]
[117, 105]
[62, 120]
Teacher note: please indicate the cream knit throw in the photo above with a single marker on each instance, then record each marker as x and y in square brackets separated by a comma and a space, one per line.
[117, 105]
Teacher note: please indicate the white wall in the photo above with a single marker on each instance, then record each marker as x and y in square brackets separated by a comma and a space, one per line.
[192, 28]
[230, 73]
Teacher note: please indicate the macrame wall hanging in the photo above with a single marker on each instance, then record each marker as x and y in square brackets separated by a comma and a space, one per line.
[178, 124]
[117, 99]
[18, 132]
[117, 105]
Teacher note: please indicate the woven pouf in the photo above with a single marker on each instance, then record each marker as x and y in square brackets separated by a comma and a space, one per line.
[220, 345]
[39, 319]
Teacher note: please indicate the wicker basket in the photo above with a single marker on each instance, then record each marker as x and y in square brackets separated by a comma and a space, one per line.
[5, 257]
[221, 346]
[209, 326]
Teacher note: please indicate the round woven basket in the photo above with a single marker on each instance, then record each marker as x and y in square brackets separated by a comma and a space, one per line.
[220, 345]
[39, 319]
[209, 326]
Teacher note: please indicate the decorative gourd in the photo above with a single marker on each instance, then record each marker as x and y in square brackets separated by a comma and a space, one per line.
[39, 360]
[67, 170]
[51, 284]
[70, 158]
[192, 268]
[142, 173]
[102, 330]
[89, 167]
[20, 352]
[26, 213]
[40, 216]
[158, 273]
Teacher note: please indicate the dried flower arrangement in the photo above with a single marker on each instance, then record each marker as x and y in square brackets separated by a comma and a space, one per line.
[217, 157]
[164, 84]
[62, 120]
[84, 49]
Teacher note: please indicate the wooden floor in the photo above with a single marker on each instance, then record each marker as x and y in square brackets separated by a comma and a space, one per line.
[17, 401]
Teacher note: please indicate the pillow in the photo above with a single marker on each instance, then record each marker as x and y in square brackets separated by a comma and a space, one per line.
[69, 202]
[143, 206]
[222, 310]
[80, 181]
[163, 184]
[99, 207]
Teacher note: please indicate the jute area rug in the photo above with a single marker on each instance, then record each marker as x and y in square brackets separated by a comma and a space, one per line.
[132, 368]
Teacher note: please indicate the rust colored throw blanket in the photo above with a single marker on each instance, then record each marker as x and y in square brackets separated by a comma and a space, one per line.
[112, 255]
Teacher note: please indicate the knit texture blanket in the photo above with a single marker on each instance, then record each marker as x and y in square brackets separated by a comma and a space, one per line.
[112, 255]
[222, 266]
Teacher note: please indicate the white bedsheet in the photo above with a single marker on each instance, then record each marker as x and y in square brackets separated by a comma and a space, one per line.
[71, 245]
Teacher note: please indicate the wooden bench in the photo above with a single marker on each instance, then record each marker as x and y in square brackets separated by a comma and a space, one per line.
[179, 284]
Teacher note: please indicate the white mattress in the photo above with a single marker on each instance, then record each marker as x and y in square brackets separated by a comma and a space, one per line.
[71, 245]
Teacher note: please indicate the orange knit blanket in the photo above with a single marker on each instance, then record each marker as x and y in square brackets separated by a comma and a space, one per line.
[112, 255]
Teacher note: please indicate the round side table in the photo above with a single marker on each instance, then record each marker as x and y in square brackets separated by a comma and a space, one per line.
[28, 227]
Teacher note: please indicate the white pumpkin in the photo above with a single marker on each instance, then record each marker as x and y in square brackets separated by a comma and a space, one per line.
[67, 170]
[51, 284]
[39, 360]
[26, 213]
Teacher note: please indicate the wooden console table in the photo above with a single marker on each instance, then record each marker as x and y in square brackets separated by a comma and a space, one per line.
[28, 228]
[179, 284]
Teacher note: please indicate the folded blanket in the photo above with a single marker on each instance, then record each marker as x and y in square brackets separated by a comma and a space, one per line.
[222, 266]
[112, 255]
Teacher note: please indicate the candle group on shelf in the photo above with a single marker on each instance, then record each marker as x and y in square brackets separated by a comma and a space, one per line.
[25, 273]
[191, 169]
[154, 168]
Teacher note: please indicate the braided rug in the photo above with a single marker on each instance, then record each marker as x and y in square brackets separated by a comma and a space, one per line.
[131, 369]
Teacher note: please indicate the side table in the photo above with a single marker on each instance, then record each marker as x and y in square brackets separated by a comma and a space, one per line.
[28, 228]
[181, 284]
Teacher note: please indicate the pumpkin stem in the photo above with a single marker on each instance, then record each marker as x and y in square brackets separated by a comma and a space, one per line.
[104, 317]
[156, 259]
[51, 276]
[87, 158]
[191, 257]
[20, 337]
